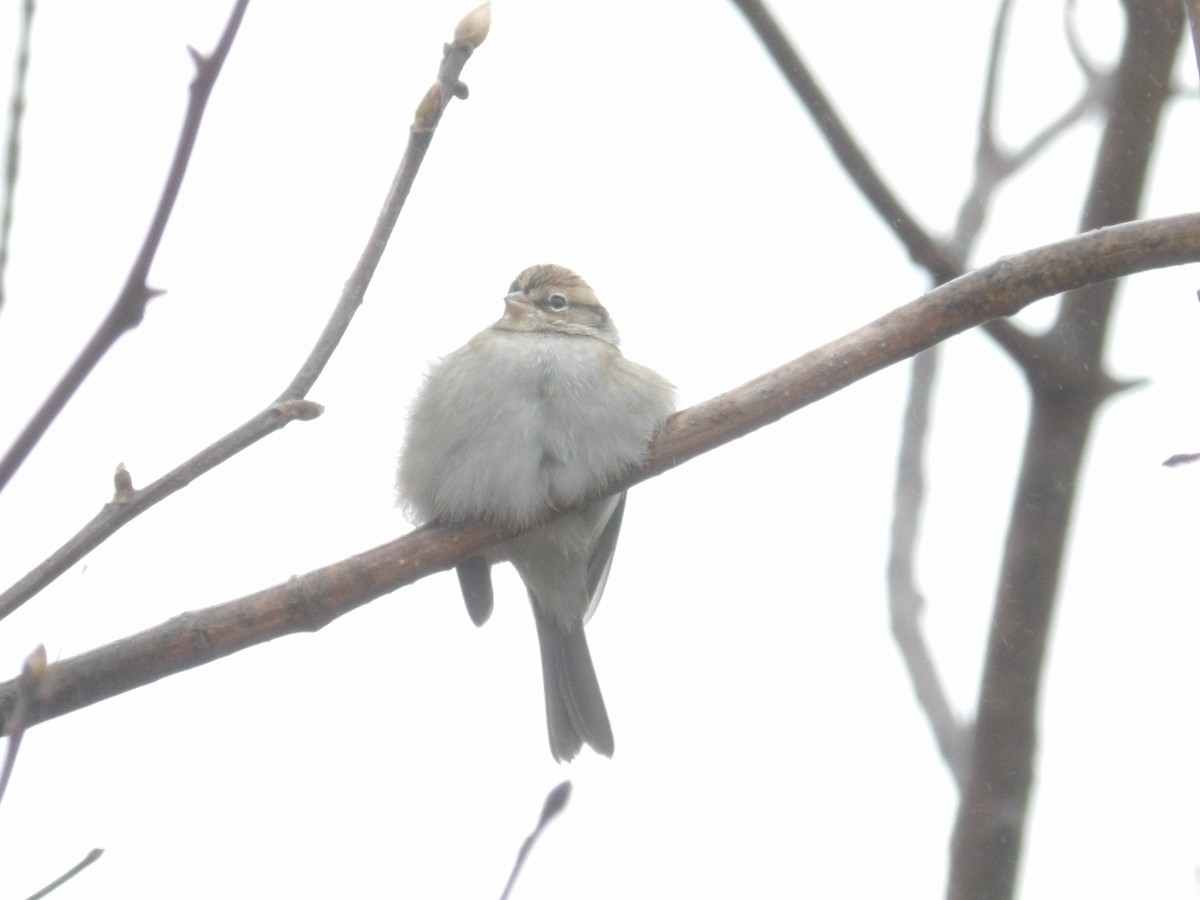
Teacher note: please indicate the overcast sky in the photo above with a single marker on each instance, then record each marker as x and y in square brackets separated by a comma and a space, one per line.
[767, 739]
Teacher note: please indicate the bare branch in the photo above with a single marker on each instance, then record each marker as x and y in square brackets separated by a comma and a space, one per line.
[555, 803]
[127, 505]
[993, 165]
[308, 602]
[905, 600]
[130, 305]
[904, 596]
[290, 405]
[1068, 382]
[943, 261]
[991, 84]
[932, 255]
[1090, 70]
[473, 28]
[1095, 95]
[62, 879]
[12, 149]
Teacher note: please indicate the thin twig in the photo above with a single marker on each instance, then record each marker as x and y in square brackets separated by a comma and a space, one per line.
[1094, 96]
[470, 33]
[130, 304]
[1075, 42]
[904, 596]
[62, 879]
[988, 155]
[291, 404]
[991, 84]
[929, 253]
[12, 150]
[905, 600]
[993, 165]
[309, 602]
[555, 803]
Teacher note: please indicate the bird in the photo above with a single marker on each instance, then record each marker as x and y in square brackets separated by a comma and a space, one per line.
[535, 414]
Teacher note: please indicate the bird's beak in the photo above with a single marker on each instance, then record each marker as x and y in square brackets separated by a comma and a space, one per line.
[517, 304]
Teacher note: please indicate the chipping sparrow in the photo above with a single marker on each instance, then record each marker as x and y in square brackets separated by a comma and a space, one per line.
[536, 413]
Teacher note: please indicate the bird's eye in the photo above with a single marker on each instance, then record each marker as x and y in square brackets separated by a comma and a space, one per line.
[556, 301]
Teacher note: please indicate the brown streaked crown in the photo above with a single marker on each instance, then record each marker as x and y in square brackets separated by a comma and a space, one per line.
[546, 275]
[562, 302]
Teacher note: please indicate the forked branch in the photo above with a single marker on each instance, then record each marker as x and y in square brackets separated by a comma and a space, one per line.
[128, 503]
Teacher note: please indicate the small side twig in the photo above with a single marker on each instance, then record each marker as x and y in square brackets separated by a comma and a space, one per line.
[291, 404]
[130, 305]
[556, 802]
[993, 165]
[1075, 42]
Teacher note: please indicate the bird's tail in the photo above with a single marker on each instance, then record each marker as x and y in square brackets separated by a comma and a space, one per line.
[575, 712]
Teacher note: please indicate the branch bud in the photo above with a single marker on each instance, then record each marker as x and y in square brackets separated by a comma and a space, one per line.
[35, 663]
[473, 29]
[429, 110]
[122, 484]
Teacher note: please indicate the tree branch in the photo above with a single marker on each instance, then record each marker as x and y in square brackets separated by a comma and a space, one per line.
[127, 504]
[994, 165]
[942, 261]
[130, 305]
[470, 33]
[1068, 382]
[904, 595]
[62, 879]
[12, 147]
[308, 602]
[932, 255]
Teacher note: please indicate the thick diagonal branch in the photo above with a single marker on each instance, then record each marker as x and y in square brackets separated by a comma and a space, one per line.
[308, 602]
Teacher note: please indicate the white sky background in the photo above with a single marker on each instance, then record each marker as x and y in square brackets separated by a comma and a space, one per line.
[767, 740]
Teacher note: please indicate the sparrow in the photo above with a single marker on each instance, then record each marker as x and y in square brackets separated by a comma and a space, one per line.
[534, 414]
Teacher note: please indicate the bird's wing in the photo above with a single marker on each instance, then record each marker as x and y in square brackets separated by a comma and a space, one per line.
[602, 555]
